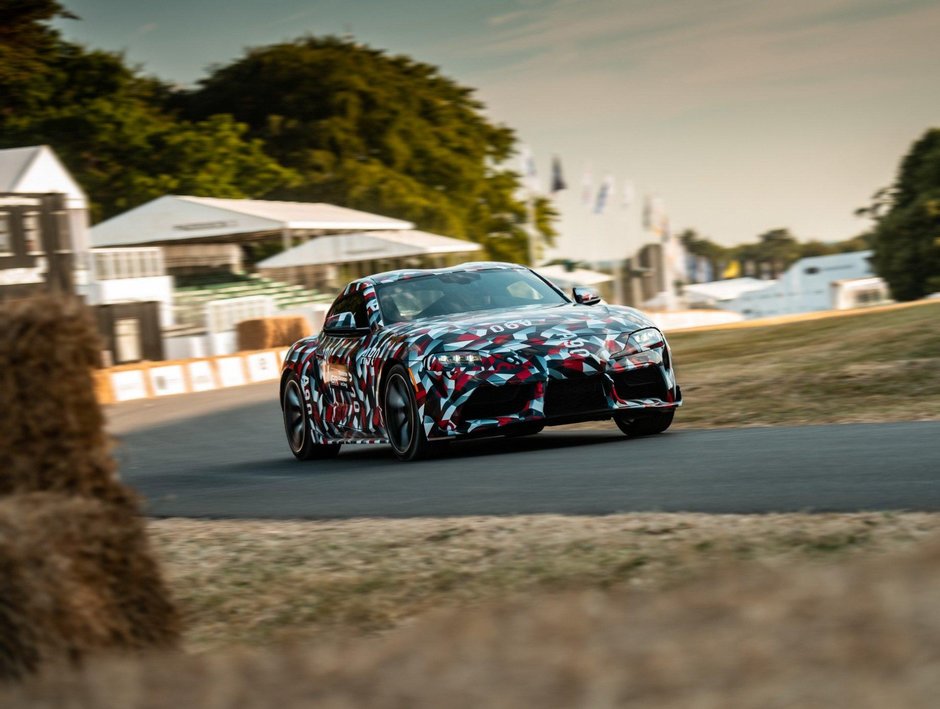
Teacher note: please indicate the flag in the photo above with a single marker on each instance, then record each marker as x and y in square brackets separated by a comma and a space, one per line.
[629, 194]
[602, 193]
[587, 186]
[708, 270]
[732, 270]
[558, 179]
[692, 267]
[529, 176]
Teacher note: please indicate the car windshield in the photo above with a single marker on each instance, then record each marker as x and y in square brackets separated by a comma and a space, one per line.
[463, 292]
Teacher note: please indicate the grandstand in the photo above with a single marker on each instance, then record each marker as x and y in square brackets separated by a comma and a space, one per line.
[193, 293]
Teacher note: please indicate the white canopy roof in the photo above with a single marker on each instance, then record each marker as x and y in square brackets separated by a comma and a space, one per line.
[367, 246]
[37, 170]
[176, 218]
[725, 290]
[562, 277]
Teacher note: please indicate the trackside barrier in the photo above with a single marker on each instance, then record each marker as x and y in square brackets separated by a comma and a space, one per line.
[145, 380]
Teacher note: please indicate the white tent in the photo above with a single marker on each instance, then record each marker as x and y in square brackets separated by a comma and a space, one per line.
[715, 292]
[567, 279]
[564, 278]
[180, 219]
[368, 246]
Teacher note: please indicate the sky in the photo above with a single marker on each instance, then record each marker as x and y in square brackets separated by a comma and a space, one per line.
[741, 116]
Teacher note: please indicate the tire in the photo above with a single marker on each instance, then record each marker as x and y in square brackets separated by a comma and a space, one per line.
[645, 425]
[297, 425]
[524, 429]
[400, 409]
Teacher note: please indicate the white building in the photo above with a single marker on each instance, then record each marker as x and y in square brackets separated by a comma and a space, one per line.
[809, 285]
[35, 169]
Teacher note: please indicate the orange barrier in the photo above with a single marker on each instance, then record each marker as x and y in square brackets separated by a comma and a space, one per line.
[144, 380]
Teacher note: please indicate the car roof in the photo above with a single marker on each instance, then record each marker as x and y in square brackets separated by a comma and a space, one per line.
[405, 274]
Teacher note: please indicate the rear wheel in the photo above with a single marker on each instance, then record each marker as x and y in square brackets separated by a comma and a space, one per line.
[297, 425]
[645, 425]
[404, 429]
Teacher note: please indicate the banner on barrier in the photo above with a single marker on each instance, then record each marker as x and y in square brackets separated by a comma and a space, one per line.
[128, 385]
[231, 371]
[201, 376]
[262, 366]
[167, 380]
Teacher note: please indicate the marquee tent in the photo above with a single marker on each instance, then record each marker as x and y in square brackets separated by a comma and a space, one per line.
[177, 219]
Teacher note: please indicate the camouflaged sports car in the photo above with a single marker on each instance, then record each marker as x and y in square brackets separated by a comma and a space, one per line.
[410, 357]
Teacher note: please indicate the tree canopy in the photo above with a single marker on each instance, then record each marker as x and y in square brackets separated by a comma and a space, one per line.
[907, 223]
[318, 119]
[378, 132]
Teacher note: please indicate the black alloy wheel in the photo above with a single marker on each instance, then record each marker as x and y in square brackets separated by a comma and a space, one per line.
[297, 427]
[645, 424]
[405, 432]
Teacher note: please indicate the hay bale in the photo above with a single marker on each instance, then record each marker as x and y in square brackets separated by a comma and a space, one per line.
[265, 333]
[253, 334]
[52, 433]
[76, 576]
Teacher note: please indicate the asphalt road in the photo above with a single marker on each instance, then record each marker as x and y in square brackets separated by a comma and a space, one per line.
[223, 454]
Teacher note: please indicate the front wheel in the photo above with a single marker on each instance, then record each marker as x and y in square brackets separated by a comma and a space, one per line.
[645, 425]
[297, 425]
[402, 424]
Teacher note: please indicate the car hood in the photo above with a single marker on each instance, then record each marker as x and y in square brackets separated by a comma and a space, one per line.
[557, 331]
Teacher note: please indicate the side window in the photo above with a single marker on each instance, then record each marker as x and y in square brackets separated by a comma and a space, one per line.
[352, 303]
[6, 240]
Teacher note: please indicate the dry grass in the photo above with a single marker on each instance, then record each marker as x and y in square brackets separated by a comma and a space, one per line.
[253, 582]
[859, 634]
[872, 367]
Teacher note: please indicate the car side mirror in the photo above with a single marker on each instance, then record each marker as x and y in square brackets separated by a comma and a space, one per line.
[343, 324]
[585, 296]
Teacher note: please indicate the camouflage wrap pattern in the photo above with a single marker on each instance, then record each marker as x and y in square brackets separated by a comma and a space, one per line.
[537, 364]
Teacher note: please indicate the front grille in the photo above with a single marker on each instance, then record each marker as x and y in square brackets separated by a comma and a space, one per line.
[488, 401]
[575, 396]
[645, 383]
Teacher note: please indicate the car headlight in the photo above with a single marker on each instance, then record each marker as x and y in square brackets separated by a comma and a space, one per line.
[449, 360]
[646, 339]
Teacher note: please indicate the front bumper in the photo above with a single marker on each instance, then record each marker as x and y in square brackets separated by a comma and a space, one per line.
[470, 401]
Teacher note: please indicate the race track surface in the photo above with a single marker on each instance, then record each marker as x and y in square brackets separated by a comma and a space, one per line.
[223, 454]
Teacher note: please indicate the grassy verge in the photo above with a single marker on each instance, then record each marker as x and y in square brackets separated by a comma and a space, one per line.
[872, 367]
[258, 582]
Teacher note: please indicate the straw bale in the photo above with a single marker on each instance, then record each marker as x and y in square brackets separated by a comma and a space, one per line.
[76, 576]
[253, 334]
[265, 333]
[52, 434]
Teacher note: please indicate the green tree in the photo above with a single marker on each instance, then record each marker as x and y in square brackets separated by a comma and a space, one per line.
[381, 133]
[906, 237]
[110, 127]
[26, 43]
